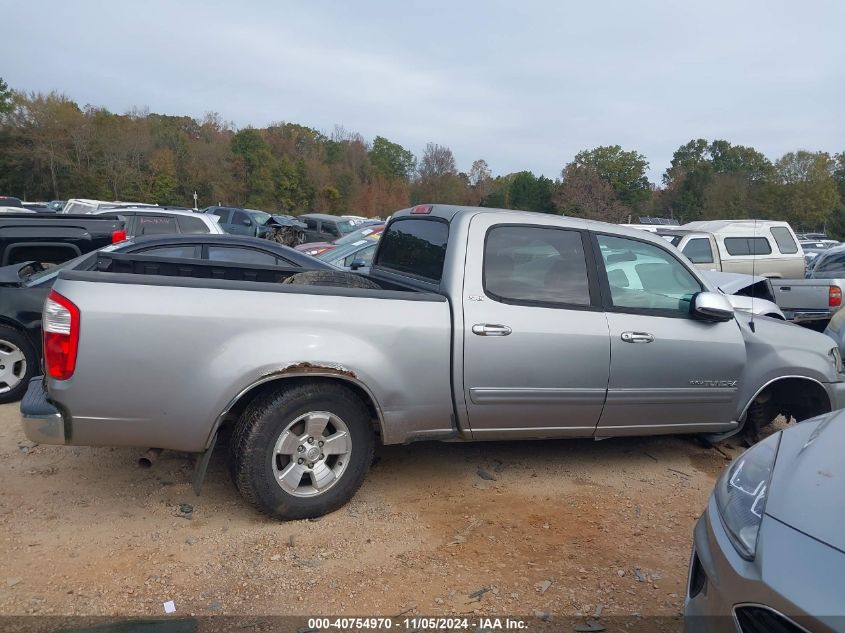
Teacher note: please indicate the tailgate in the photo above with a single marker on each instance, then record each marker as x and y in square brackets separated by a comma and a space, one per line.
[805, 298]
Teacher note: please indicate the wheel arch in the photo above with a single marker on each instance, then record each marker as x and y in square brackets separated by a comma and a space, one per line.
[791, 385]
[308, 373]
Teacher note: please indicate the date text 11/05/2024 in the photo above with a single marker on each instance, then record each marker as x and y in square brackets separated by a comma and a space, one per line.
[417, 624]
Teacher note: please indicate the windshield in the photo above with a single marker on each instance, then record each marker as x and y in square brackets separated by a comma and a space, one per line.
[830, 265]
[260, 217]
[345, 226]
[51, 272]
[367, 231]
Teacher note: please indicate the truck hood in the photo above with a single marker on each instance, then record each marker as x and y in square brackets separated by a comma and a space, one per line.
[809, 475]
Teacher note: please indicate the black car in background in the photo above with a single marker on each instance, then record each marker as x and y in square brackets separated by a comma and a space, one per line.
[321, 227]
[25, 286]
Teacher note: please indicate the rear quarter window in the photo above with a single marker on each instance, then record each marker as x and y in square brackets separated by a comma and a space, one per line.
[784, 240]
[738, 246]
[188, 224]
[155, 224]
[415, 247]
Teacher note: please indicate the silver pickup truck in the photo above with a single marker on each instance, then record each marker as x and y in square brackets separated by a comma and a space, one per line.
[475, 324]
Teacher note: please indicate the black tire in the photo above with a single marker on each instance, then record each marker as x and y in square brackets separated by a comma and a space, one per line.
[261, 424]
[333, 278]
[17, 338]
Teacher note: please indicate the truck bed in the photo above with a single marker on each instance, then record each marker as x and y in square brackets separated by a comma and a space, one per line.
[184, 269]
[192, 336]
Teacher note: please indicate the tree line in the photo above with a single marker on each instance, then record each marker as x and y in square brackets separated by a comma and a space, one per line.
[51, 148]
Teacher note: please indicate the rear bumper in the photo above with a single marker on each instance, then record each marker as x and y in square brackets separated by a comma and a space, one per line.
[42, 422]
[808, 315]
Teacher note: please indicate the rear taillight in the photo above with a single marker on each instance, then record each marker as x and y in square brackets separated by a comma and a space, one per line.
[421, 209]
[834, 296]
[118, 236]
[61, 336]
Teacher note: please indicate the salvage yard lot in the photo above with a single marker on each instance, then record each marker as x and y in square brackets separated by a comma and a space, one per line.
[86, 532]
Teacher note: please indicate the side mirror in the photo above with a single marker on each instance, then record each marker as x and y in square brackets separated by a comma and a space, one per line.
[712, 306]
[247, 222]
[357, 263]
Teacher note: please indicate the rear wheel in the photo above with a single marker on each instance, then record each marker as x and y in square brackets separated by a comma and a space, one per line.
[303, 451]
[18, 362]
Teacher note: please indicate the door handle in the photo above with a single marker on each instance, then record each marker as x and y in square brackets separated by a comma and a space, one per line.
[637, 337]
[489, 329]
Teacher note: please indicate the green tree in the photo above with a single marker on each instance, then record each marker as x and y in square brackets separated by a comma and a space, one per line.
[624, 171]
[5, 98]
[256, 164]
[710, 180]
[808, 193]
[530, 193]
[391, 160]
[163, 180]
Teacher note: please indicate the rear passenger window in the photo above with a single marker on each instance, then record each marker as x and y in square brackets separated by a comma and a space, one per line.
[310, 224]
[747, 246]
[535, 265]
[698, 251]
[240, 255]
[783, 238]
[187, 224]
[415, 247]
[155, 224]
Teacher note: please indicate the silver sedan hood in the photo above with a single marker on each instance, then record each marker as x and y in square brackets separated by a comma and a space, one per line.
[807, 485]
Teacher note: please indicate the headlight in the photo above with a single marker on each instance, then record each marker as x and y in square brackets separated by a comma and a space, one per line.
[836, 357]
[741, 494]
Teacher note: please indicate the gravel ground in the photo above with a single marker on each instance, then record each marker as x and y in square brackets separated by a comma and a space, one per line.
[554, 527]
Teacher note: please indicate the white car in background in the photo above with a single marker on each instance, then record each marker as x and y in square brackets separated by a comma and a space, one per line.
[162, 221]
[86, 205]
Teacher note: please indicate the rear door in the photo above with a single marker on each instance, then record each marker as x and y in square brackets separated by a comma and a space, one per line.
[669, 371]
[536, 349]
[312, 233]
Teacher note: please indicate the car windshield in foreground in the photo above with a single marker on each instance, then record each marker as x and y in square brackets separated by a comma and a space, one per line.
[51, 272]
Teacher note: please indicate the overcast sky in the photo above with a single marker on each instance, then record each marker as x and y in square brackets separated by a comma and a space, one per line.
[524, 85]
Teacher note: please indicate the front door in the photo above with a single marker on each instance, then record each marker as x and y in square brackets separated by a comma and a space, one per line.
[536, 349]
[669, 372]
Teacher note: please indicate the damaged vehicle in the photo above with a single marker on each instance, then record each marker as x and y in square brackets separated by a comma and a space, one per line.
[747, 293]
[471, 324]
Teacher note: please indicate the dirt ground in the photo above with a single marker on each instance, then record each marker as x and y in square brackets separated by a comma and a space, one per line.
[565, 527]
